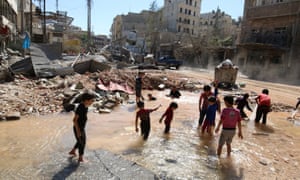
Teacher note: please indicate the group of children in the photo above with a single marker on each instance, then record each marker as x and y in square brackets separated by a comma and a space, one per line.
[209, 104]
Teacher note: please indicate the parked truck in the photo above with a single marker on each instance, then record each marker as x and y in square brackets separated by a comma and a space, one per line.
[169, 61]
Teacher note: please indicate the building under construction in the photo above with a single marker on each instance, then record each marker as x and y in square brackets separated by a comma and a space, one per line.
[270, 41]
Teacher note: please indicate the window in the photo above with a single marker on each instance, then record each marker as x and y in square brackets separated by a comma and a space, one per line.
[180, 10]
[185, 11]
[192, 31]
[193, 22]
[179, 28]
[191, 2]
[186, 1]
[180, 19]
[194, 13]
[190, 12]
[195, 3]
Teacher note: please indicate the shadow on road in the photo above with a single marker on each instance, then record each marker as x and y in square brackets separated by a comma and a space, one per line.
[66, 171]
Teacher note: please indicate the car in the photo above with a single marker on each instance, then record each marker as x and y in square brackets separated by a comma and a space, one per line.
[169, 61]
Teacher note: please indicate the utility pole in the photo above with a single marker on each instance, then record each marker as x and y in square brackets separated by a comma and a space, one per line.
[22, 16]
[89, 5]
[44, 27]
[30, 18]
[57, 6]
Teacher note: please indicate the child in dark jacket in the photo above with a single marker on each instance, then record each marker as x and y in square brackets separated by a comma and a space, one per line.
[169, 116]
[241, 103]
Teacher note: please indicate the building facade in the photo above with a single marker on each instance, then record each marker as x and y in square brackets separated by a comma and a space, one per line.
[135, 30]
[218, 23]
[181, 16]
[270, 38]
[8, 13]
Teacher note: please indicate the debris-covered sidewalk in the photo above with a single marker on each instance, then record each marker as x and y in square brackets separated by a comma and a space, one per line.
[25, 96]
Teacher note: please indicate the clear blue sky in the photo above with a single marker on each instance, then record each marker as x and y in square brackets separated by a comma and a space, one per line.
[103, 12]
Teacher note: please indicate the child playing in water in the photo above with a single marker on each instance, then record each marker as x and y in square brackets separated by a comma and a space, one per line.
[230, 117]
[241, 103]
[203, 101]
[79, 121]
[144, 115]
[209, 121]
[169, 116]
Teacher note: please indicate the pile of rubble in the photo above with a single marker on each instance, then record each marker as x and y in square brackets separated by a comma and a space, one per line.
[25, 96]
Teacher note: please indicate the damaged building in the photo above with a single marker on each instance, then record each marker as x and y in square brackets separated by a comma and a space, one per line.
[270, 44]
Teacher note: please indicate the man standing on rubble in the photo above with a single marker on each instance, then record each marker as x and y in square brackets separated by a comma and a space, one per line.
[26, 43]
[4, 33]
[138, 86]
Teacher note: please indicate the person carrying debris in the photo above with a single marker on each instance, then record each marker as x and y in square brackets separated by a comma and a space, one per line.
[263, 106]
[169, 116]
[230, 118]
[144, 115]
[241, 103]
[203, 101]
[79, 121]
[138, 86]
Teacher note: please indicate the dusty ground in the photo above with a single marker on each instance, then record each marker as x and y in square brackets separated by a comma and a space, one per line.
[266, 152]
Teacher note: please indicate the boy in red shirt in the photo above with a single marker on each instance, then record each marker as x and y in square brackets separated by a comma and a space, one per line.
[144, 115]
[263, 106]
[169, 116]
[230, 117]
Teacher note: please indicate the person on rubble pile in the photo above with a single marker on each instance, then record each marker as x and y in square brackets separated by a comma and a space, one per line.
[4, 34]
[263, 106]
[144, 115]
[139, 86]
[79, 121]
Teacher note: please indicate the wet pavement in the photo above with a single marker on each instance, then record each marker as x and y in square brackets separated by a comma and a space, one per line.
[37, 147]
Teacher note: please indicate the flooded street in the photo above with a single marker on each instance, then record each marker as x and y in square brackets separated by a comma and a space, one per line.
[266, 152]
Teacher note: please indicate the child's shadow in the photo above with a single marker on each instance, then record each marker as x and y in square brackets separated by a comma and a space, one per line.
[67, 171]
[135, 148]
[264, 128]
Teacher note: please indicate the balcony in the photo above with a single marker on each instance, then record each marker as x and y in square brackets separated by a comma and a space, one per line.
[268, 39]
[274, 10]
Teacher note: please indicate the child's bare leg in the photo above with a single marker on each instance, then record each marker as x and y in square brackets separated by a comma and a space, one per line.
[209, 130]
[228, 149]
[72, 152]
[219, 150]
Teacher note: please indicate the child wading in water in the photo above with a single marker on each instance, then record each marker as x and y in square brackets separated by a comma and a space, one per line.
[169, 116]
[79, 121]
[209, 121]
[230, 117]
[144, 115]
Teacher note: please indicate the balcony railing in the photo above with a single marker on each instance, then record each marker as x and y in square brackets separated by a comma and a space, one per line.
[282, 40]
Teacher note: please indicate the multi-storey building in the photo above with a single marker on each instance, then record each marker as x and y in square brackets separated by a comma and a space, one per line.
[134, 29]
[181, 16]
[271, 38]
[217, 23]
